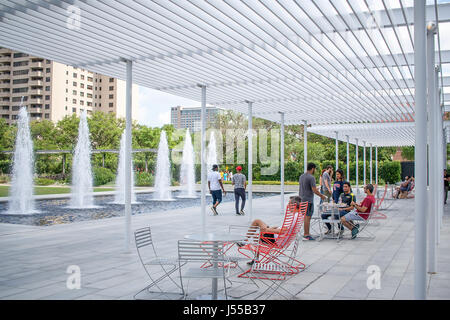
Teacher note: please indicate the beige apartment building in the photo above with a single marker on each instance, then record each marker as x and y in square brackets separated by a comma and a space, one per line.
[52, 90]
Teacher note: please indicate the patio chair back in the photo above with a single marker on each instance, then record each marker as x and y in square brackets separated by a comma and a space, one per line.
[252, 233]
[143, 238]
[380, 201]
[293, 222]
[192, 251]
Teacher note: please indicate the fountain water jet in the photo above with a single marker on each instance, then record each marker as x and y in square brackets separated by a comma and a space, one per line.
[120, 179]
[21, 192]
[187, 172]
[162, 178]
[212, 152]
[81, 193]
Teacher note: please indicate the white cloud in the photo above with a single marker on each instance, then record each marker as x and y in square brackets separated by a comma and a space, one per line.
[154, 106]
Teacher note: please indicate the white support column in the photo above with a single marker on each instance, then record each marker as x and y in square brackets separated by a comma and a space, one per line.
[357, 166]
[376, 165]
[128, 164]
[442, 154]
[433, 164]
[348, 159]
[370, 164]
[250, 161]
[364, 163]
[203, 158]
[420, 151]
[305, 146]
[282, 161]
[337, 151]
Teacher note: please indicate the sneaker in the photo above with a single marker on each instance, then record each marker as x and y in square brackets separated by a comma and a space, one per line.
[242, 213]
[357, 226]
[214, 210]
[250, 263]
[238, 214]
[328, 231]
[354, 232]
[306, 238]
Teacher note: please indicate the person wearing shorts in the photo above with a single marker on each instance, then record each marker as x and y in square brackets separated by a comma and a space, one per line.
[362, 211]
[307, 189]
[215, 188]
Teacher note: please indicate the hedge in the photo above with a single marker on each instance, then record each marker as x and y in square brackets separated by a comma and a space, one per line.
[102, 176]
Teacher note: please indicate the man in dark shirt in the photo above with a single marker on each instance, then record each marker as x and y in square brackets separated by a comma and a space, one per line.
[446, 181]
[307, 189]
[347, 197]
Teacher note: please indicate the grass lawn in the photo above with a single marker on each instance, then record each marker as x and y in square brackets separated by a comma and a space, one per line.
[4, 190]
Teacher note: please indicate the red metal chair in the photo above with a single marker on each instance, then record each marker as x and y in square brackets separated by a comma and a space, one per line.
[376, 214]
[273, 252]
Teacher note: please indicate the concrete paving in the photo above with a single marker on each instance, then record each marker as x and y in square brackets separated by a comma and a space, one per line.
[34, 260]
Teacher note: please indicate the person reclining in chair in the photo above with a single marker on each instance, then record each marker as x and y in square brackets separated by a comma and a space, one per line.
[270, 234]
[362, 211]
[406, 186]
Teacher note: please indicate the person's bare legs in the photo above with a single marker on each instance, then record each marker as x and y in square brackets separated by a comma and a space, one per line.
[346, 223]
[263, 227]
[306, 223]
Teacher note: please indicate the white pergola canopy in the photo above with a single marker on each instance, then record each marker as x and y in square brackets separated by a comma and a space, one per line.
[325, 62]
[350, 67]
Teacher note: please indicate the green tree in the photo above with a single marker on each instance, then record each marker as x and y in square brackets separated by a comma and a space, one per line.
[105, 130]
[408, 153]
[43, 135]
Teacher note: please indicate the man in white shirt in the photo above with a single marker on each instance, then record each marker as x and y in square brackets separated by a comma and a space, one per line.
[215, 187]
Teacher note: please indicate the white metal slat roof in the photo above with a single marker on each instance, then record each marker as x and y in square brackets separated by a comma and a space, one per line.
[327, 61]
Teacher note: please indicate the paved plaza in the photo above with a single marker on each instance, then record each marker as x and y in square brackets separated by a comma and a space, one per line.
[34, 260]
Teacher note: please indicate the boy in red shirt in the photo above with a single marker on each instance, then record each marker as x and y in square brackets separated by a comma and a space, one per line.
[362, 211]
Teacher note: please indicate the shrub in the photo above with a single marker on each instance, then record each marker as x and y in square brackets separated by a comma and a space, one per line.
[5, 166]
[144, 179]
[390, 171]
[102, 176]
[4, 178]
[43, 181]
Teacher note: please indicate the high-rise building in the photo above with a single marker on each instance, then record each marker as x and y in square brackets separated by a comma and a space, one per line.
[184, 117]
[52, 90]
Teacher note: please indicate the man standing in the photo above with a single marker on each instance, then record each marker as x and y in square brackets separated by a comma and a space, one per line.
[215, 188]
[240, 184]
[326, 178]
[307, 189]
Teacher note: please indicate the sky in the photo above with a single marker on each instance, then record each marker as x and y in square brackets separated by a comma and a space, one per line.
[154, 106]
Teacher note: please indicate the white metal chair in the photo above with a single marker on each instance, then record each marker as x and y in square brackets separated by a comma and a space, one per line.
[149, 258]
[252, 234]
[198, 252]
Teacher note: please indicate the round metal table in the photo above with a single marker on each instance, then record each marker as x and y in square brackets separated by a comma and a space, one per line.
[214, 237]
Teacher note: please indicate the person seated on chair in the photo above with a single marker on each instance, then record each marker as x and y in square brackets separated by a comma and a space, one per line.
[347, 197]
[405, 186]
[362, 211]
[270, 234]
